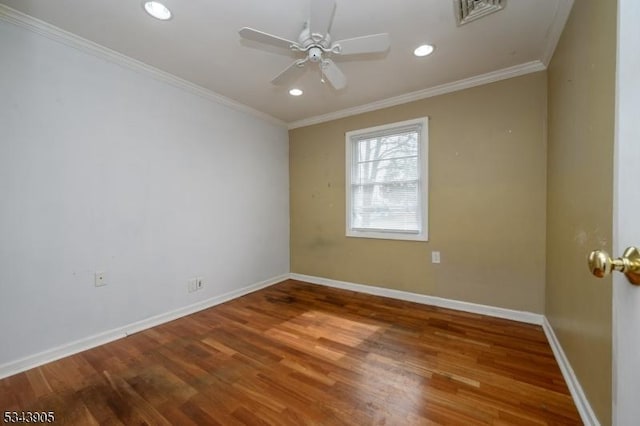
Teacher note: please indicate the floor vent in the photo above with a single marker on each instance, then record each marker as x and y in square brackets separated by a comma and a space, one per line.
[470, 10]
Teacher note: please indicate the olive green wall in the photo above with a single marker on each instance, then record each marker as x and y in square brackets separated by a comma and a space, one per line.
[581, 87]
[487, 202]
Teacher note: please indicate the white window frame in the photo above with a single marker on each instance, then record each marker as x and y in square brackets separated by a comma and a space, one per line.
[423, 163]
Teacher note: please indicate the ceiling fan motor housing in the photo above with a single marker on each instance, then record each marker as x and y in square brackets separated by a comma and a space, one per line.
[315, 54]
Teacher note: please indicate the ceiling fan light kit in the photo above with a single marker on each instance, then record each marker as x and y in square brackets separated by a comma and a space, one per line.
[315, 44]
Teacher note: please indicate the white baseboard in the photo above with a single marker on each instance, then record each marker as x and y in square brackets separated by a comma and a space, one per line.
[582, 403]
[521, 316]
[36, 360]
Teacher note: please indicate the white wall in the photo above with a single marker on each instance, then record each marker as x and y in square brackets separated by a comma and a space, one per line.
[105, 168]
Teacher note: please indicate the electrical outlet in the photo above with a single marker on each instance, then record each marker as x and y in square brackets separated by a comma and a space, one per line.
[435, 257]
[199, 283]
[100, 279]
[192, 285]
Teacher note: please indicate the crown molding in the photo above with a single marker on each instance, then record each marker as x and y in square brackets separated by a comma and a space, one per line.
[57, 34]
[54, 33]
[490, 77]
[555, 30]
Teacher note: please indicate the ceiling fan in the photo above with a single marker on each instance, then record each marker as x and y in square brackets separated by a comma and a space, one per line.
[315, 43]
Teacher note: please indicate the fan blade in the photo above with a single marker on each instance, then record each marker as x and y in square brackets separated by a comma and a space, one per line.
[366, 44]
[291, 74]
[259, 36]
[333, 74]
[321, 16]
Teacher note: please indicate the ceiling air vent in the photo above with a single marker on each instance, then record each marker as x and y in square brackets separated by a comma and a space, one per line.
[470, 10]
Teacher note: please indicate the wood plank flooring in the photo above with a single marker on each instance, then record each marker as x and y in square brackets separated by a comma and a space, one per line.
[301, 354]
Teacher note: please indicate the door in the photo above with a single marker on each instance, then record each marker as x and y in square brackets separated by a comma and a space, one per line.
[626, 220]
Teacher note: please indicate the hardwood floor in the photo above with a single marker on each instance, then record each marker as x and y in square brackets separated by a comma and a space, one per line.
[296, 354]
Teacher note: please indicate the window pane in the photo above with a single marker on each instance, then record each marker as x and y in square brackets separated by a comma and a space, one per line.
[380, 171]
[391, 206]
[385, 181]
[402, 144]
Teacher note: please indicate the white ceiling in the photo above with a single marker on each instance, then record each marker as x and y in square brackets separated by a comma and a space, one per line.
[201, 44]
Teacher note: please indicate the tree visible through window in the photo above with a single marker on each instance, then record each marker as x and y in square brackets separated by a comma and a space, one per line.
[386, 192]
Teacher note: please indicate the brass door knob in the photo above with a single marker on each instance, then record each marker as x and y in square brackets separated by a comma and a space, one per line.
[601, 264]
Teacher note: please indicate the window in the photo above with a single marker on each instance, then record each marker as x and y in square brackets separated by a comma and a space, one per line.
[387, 181]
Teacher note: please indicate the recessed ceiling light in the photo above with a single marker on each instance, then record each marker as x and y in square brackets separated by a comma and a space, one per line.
[424, 50]
[295, 92]
[157, 10]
